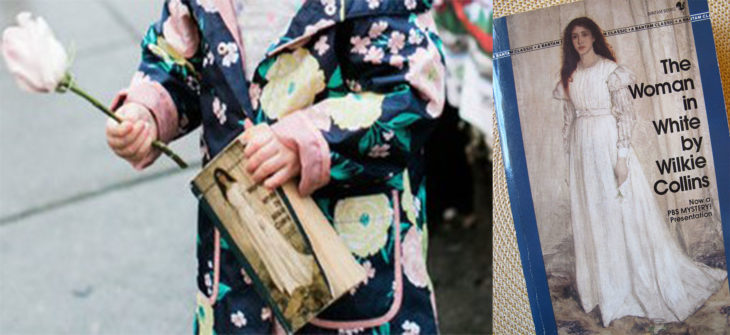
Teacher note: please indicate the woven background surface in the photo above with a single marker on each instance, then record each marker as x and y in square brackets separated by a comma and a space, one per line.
[511, 309]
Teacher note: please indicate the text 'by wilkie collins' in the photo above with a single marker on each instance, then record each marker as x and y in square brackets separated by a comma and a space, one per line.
[686, 124]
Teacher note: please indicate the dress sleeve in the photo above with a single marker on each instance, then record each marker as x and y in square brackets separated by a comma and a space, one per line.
[167, 81]
[568, 113]
[621, 106]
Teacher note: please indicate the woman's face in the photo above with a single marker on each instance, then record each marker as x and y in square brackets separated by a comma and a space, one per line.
[582, 40]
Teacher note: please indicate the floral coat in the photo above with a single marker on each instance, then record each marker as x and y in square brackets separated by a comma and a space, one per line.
[356, 86]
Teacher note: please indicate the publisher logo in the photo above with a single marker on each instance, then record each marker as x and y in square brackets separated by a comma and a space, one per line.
[680, 6]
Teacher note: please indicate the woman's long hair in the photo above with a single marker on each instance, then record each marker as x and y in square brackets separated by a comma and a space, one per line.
[571, 56]
[224, 180]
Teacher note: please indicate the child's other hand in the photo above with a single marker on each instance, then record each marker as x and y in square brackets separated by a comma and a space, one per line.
[269, 160]
[132, 139]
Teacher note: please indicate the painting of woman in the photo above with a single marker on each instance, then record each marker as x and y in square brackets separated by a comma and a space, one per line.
[627, 263]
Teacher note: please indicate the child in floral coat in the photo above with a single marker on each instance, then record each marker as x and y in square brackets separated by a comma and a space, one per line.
[343, 102]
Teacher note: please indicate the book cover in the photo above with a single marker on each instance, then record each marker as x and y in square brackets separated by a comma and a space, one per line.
[296, 260]
[617, 155]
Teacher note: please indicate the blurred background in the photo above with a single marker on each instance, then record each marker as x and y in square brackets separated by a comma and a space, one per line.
[90, 246]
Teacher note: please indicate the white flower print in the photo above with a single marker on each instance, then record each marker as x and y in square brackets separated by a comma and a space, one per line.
[254, 93]
[374, 55]
[229, 52]
[353, 85]
[410, 4]
[321, 46]
[238, 319]
[379, 151]
[377, 28]
[388, 135]
[265, 313]
[209, 59]
[193, 84]
[208, 283]
[373, 4]
[359, 44]
[410, 328]
[414, 36]
[329, 7]
[219, 109]
[350, 331]
[369, 270]
[396, 61]
[396, 42]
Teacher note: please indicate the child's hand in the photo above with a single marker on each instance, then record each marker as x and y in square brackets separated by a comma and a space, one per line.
[132, 139]
[269, 160]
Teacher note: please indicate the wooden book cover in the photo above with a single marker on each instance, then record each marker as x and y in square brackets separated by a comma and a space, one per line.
[296, 260]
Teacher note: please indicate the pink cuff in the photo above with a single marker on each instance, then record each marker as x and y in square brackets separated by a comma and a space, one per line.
[152, 95]
[298, 132]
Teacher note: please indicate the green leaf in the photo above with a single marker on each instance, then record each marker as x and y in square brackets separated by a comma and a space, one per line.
[367, 141]
[224, 243]
[223, 289]
[335, 79]
[345, 169]
[264, 67]
[396, 182]
[385, 329]
[403, 120]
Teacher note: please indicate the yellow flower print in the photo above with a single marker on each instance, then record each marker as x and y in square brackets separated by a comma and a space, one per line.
[407, 200]
[204, 315]
[354, 111]
[294, 81]
[363, 223]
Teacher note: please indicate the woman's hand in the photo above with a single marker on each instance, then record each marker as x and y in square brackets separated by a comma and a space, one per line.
[621, 170]
[132, 139]
[269, 160]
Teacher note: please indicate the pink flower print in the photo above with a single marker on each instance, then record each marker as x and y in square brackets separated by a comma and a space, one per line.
[209, 59]
[254, 93]
[321, 46]
[374, 55]
[426, 74]
[321, 24]
[219, 109]
[388, 135]
[414, 266]
[377, 28]
[379, 151]
[410, 328]
[373, 4]
[359, 44]
[180, 30]
[229, 52]
[410, 4]
[396, 61]
[265, 313]
[246, 278]
[414, 37]
[238, 319]
[369, 270]
[396, 42]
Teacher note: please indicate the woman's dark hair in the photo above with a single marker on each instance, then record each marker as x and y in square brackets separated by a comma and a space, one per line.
[217, 174]
[571, 56]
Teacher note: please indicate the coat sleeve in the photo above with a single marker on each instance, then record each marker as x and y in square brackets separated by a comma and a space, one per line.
[621, 106]
[167, 80]
[568, 113]
[394, 73]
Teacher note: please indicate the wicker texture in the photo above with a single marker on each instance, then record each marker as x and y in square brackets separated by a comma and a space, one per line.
[511, 308]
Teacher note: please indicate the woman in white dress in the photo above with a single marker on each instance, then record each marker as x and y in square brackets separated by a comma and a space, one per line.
[627, 262]
[288, 268]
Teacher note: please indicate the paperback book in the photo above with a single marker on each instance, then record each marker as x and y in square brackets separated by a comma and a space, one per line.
[617, 155]
[297, 262]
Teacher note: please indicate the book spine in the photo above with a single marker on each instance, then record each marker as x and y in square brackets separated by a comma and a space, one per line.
[715, 106]
[520, 195]
[258, 285]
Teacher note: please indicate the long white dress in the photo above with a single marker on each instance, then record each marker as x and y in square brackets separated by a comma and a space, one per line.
[627, 262]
